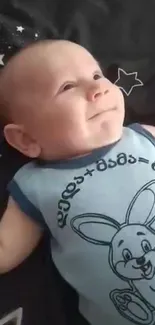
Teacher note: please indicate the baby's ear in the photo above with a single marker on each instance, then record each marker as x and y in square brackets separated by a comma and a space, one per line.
[18, 138]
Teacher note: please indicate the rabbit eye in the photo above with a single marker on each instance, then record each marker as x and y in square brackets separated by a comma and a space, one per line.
[146, 246]
[127, 255]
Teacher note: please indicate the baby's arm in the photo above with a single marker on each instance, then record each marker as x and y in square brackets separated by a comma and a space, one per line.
[19, 235]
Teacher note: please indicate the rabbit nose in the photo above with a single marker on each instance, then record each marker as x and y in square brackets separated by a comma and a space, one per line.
[140, 260]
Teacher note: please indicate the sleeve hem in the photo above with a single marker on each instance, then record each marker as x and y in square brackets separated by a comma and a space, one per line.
[25, 204]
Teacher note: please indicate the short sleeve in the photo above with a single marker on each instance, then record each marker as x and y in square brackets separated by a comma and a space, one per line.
[141, 130]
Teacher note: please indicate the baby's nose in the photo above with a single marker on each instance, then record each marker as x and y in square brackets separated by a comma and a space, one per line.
[96, 90]
[140, 260]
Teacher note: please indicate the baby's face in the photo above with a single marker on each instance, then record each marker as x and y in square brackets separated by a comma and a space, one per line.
[81, 111]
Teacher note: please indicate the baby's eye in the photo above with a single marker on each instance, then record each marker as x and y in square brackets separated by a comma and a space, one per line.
[68, 86]
[97, 76]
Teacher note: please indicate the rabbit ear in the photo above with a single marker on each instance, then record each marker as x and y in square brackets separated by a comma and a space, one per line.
[95, 228]
[142, 207]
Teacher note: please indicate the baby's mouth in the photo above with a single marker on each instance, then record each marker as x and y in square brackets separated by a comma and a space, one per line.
[95, 115]
[102, 112]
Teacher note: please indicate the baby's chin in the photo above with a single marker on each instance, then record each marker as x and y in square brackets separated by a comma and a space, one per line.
[83, 148]
[73, 153]
[94, 145]
[107, 137]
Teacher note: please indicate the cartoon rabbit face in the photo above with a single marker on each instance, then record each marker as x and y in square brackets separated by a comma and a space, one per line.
[132, 244]
[131, 257]
[132, 252]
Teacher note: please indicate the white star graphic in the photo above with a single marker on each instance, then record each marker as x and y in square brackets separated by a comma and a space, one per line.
[137, 82]
[36, 35]
[15, 316]
[20, 29]
[1, 59]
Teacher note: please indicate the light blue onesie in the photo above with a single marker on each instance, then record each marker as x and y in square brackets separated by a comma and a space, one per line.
[100, 211]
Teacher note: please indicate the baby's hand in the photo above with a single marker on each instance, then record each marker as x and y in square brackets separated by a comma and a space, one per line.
[19, 235]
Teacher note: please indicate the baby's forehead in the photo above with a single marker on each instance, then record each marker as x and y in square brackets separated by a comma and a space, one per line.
[69, 61]
[37, 65]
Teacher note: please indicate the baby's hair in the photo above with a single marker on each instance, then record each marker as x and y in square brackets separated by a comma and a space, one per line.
[5, 117]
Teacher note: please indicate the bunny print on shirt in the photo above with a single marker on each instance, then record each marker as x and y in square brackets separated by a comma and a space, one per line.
[131, 255]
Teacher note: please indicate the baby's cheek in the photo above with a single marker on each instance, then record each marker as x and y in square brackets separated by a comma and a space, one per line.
[118, 94]
[116, 89]
[108, 82]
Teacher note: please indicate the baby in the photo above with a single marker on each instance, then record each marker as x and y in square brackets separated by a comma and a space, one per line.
[90, 185]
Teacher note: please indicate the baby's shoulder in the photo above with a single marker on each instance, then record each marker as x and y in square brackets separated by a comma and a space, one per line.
[149, 128]
[147, 131]
[27, 171]
[27, 178]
